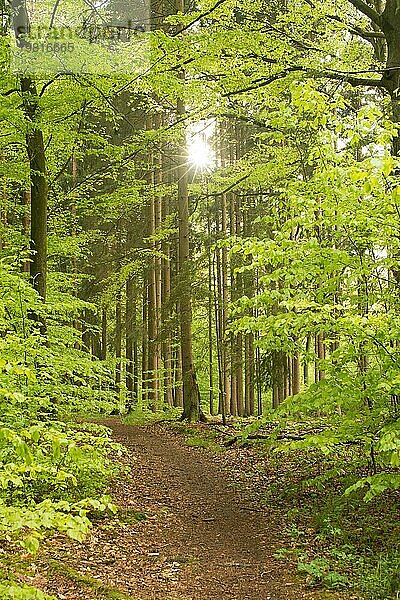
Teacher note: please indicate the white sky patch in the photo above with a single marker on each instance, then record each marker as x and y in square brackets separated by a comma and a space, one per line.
[341, 143]
[200, 153]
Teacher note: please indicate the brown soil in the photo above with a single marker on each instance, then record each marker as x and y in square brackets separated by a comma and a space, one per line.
[203, 536]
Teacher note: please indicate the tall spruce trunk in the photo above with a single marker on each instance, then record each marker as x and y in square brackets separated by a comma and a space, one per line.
[145, 373]
[130, 324]
[118, 342]
[191, 394]
[152, 332]
[104, 333]
[210, 316]
[166, 312]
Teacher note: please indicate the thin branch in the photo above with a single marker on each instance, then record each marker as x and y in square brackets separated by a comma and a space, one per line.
[48, 83]
[264, 82]
[9, 92]
[228, 189]
[53, 15]
[199, 17]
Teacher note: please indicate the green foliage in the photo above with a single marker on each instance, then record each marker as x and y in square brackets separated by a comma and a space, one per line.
[376, 484]
[26, 592]
[318, 189]
[380, 580]
[319, 255]
[319, 573]
[142, 415]
[331, 532]
[52, 473]
[46, 460]
[45, 473]
[199, 441]
[199, 437]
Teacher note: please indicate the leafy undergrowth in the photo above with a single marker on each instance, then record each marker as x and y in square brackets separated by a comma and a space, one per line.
[52, 478]
[339, 541]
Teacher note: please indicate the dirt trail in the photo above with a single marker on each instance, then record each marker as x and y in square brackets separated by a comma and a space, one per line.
[201, 539]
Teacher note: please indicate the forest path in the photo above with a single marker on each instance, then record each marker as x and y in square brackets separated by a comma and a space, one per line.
[203, 538]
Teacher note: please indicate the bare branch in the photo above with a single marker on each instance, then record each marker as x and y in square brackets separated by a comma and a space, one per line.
[53, 15]
[9, 92]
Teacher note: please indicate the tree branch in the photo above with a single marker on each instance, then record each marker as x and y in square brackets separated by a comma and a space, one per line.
[354, 29]
[368, 11]
[264, 82]
[199, 17]
[346, 78]
[336, 75]
[228, 189]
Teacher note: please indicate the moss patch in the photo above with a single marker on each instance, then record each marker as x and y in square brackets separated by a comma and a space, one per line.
[103, 591]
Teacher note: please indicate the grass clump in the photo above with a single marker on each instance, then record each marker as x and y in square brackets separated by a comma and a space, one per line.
[198, 437]
[144, 416]
[379, 579]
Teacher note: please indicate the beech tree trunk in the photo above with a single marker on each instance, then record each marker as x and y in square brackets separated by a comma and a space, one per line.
[37, 163]
[295, 375]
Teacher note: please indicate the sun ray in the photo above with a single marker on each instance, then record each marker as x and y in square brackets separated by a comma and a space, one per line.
[200, 154]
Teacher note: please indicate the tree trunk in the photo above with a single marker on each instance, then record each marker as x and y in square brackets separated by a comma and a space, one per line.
[144, 339]
[295, 375]
[306, 368]
[210, 317]
[166, 313]
[152, 346]
[191, 395]
[130, 323]
[37, 164]
[390, 25]
[118, 343]
[26, 224]
[104, 334]
[320, 355]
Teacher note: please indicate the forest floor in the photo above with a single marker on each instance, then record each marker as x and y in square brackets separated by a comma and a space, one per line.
[190, 527]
